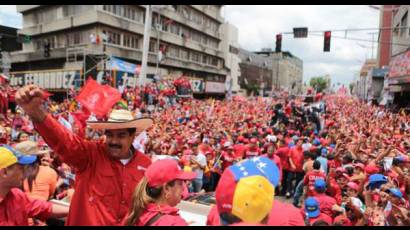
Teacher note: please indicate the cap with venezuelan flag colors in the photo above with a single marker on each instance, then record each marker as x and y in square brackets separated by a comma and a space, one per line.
[9, 156]
[246, 189]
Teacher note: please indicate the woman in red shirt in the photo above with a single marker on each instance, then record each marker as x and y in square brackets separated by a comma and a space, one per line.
[157, 194]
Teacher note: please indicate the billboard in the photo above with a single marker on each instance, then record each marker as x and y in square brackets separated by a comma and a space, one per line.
[400, 65]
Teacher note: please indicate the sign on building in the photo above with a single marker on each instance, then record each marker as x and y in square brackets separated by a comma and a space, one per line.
[214, 87]
[48, 79]
[197, 86]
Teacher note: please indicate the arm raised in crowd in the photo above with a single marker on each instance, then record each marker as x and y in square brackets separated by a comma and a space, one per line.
[71, 148]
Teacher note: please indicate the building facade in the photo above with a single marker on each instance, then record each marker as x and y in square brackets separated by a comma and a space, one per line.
[256, 73]
[186, 39]
[399, 66]
[365, 72]
[9, 42]
[230, 47]
[287, 71]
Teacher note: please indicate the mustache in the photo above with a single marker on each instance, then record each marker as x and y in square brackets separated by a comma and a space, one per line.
[115, 146]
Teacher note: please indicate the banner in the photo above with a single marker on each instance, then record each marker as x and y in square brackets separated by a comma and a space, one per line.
[49, 79]
[400, 65]
[214, 87]
[123, 66]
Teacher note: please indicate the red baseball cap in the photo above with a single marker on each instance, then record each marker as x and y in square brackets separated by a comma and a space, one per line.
[163, 171]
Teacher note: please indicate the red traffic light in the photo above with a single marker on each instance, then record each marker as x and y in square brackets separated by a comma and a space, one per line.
[328, 34]
[278, 36]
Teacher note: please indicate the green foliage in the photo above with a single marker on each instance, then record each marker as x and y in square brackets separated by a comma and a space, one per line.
[318, 83]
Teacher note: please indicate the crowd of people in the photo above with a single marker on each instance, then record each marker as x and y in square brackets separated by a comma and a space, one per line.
[337, 161]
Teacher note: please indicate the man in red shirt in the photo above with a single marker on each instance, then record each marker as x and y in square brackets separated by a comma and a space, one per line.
[296, 159]
[283, 153]
[15, 206]
[325, 202]
[270, 153]
[253, 149]
[107, 171]
[311, 177]
[239, 148]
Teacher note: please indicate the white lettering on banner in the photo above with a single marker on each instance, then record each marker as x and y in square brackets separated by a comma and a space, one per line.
[53, 81]
[197, 86]
[59, 80]
[47, 80]
[215, 87]
[70, 79]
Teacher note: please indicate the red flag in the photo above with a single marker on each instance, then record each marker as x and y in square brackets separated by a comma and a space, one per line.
[98, 99]
[80, 120]
[46, 94]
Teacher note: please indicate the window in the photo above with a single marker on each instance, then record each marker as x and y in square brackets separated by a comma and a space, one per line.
[76, 38]
[152, 46]
[173, 51]
[184, 54]
[205, 59]
[175, 28]
[130, 41]
[196, 36]
[214, 61]
[113, 38]
[195, 57]
[403, 24]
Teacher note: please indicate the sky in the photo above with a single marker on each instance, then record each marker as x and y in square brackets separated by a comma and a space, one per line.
[258, 25]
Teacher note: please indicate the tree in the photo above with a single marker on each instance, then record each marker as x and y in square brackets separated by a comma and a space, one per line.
[318, 83]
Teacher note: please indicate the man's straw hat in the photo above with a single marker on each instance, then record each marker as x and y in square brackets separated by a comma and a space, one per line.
[122, 119]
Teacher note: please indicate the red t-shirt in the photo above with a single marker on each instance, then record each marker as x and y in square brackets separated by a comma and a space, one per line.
[326, 203]
[283, 154]
[310, 179]
[296, 154]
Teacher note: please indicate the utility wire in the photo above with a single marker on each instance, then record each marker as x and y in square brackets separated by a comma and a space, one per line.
[357, 29]
[365, 40]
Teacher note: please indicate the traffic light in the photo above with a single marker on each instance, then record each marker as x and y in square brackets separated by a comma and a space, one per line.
[47, 49]
[300, 32]
[328, 35]
[278, 43]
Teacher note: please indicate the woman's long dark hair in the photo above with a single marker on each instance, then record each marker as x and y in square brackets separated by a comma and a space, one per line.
[31, 172]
